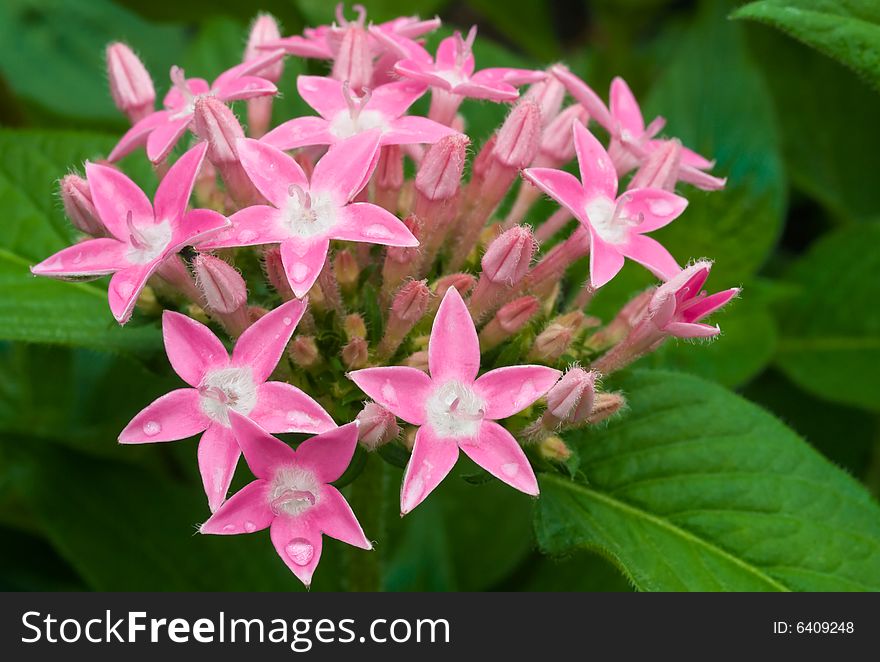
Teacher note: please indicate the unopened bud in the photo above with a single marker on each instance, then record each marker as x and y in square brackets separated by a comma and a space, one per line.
[507, 259]
[388, 178]
[304, 352]
[554, 449]
[548, 94]
[264, 30]
[520, 136]
[552, 343]
[275, 274]
[462, 282]
[402, 263]
[508, 321]
[606, 405]
[78, 205]
[409, 306]
[417, 360]
[130, 85]
[660, 168]
[353, 61]
[356, 354]
[354, 326]
[347, 270]
[570, 401]
[557, 147]
[377, 426]
[221, 285]
[439, 175]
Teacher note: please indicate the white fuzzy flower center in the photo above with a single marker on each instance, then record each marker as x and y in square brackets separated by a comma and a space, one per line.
[147, 241]
[608, 220]
[347, 124]
[309, 214]
[455, 410]
[293, 491]
[225, 389]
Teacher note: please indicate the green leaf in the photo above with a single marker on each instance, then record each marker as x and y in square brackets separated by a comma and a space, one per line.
[525, 23]
[39, 309]
[717, 103]
[694, 488]
[847, 30]
[830, 343]
[580, 572]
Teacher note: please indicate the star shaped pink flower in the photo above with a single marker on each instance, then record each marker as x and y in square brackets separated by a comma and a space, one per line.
[143, 235]
[343, 114]
[220, 384]
[305, 214]
[456, 410]
[616, 225]
[161, 130]
[292, 496]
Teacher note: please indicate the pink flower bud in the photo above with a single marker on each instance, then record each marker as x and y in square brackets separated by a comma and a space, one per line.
[462, 282]
[439, 175]
[660, 168]
[221, 285]
[548, 94]
[275, 274]
[377, 426]
[606, 405]
[388, 178]
[356, 354]
[570, 401]
[347, 270]
[78, 205]
[409, 306]
[216, 123]
[354, 326]
[554, 449]
[519, 137]
[130, 85]
[552, 343]
[402, 263]
[353, 59]
[509, 320]
[508, 257]
[304, 352]
[264, 30]
[417, 360]
[557, 147]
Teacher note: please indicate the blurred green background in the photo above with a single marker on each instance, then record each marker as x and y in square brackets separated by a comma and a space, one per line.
[796, 132]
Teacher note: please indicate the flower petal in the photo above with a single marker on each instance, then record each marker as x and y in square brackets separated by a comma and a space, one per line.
[561, 186]
[282, 407]
[218, 457]
[163, 138]
[652, 255]
[709, 305]
[323, 94]
[393, 99]
[137, 135]
[423, 72]
[606, 260]
[245, 511]
[198, 225]
[251, 226]
[509, 390]
[686, 330]
[261, 345]
[371, 224]
[585, 96]
[298, 543]
[400, 389]
[625, 108]
[598, 174]
[329, 453]
[412, 129]
[175, 415]
[453, 350]
[432, 459]
[114, 196]
[655, 207]
[346, 167]
[303, 260]
[334, 517]
[262, 452]
[271, 170]
[125, 288]
[498, 91]
[496, 451]
[191, 347]
[176, 186]
[245, 87]
[93, 257]
[300, 132]
[447, 56]
[174, 98]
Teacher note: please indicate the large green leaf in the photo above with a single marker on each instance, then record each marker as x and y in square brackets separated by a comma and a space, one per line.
[38, 309]
[694, 488]
[830, 342]
[847, 30]
[527, 24]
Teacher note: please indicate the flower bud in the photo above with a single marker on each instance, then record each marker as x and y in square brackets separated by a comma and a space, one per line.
[439, 175]
[223, 291]
[462, 282]
[508, 321]
[660, 168]
[354, 326]
[417, 360]
[377, 426]
[508, 257]
[552, 343]
[356, 354]
[275, 274]
[402, 263]
[570, 401]
[264, 30]
[554, 449]
[78, 205]
[519, 137]
[347, 270]
[557, 147]
[548, 94]
[353, 59]
[130, 85]
[304, 352]
[409, 306]
[388, 178]
[606, 405]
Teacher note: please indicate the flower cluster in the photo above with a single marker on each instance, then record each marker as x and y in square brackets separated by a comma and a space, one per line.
[358, 227]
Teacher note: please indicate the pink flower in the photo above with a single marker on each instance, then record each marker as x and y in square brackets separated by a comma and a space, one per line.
[453, 71]
[306, 214]
[161, 130]
[292, 496]
[343, 114]
[616, 225]
[456, 410]
[219, 385]
[143, 235]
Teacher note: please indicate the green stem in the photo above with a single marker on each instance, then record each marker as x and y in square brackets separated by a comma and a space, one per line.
[367, 498]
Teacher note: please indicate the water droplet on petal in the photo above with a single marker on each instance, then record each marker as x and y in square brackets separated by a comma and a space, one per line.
[376, 231]
[300, 551]
[389, 393]
[78, 258]
[229, 528]
[660, 207]
[299, 272]
[247, 235]
[301, 420]
[249, 526]
[152, 428]
[510, 469]
[125, 290]
[287, 321]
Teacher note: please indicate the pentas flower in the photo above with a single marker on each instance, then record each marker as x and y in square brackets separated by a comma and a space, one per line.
[454, 409]
[292, 495]
[221, 384]
[616, 225]
[344, 113]
[143, 235]
[161, 130]
[306, 213]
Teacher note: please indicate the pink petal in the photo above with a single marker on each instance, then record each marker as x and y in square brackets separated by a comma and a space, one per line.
[125, 288]
[114, 196]
[334, 517]
[260, 347]
[300, 132]
[174, 99]
[606, 260]
[93, 257]
[447, 56]
[509, 390]
[271, 170]
[393, 99]
[302, 47]
[192, 348]
[283, 407]
[422, 72]
[371, 224]
[298, 543]
[412, 129]
[651, 254]
[586, 97]
[709, 305]
[175, 415]
[174, 190]
[245, 511]
[137, 135]
[497, 452]
[262, 452]
[509, 75]
[323, 94]
[432, 460]
[196, 226]
[250, 67]
[687, 330]
[700, 179]
[303, 260]
[218, 457]
[401, 390]
[163, 138]
[453, 350]
[328, 454]
[346, 167]
[496, 91]
[561, 186]
[690, 158]
[598, 174]
[655, 207]
[245, 87]
[251, 226]
[625, 108]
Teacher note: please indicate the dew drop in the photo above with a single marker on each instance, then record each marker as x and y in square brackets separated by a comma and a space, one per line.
[300, 551]
[287, 321]
[389, 393]
[152, 428]
[249, 526]
[247, 235]
[300, 272]
[376, 231]
[78, 258]
[125, 290]
[660, 207]
[229, 528]
[510, 469]
[300, 420]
